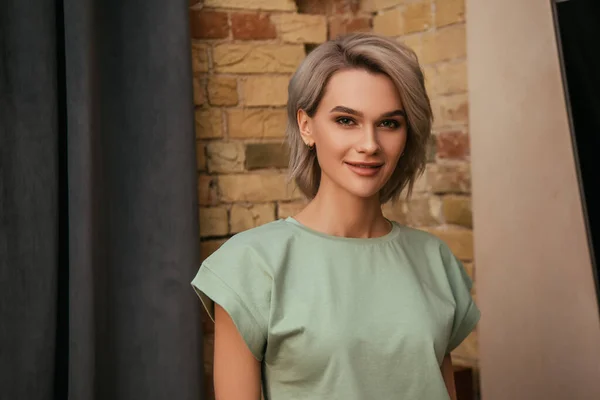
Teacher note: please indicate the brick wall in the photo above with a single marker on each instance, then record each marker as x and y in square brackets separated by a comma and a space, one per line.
[441, 204]
[244, 52]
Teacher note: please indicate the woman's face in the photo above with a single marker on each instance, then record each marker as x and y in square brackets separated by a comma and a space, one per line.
[359, 131]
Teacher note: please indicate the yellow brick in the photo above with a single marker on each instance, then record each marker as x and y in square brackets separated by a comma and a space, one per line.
[367, 5]
[199, 57]
[289, 209]
[424, 210]
[222, 91]
[395, 211]
[389, 23]
[466, 353]
[457, 210]
[301, 28]
[265, 90]
[415, 43]
[449, 111]
[436, 110]
[460, 241]
[257, 58]
[417, 17]
[207, 247]
[208, 123]
[225, 156]
[282, 5]
[452, 77]
[445, 44]
[420, 210]
[199, 95]
[378, 5]
[213, 221]
[470, 270]
[245, 217]
[267, 155]
[420, 186]
[454, 110]
[449, 12]
[256, 188]
[207, 190]
[256, 123]
[443, 178]
[430, 73]
[200, 156]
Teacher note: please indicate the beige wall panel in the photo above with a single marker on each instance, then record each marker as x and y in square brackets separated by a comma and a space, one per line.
[540, 331]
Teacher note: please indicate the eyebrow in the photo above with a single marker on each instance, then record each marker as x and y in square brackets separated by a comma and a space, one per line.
[347, 110]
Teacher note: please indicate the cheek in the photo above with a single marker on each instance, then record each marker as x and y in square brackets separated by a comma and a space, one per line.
[331, 142]
[394, 145]
[329, 154]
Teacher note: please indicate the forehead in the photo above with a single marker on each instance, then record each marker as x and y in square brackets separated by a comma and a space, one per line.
[361, 90]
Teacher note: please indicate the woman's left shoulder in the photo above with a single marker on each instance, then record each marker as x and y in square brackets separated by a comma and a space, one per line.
[423, 238]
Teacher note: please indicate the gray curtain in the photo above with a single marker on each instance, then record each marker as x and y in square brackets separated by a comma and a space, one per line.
[98, 209]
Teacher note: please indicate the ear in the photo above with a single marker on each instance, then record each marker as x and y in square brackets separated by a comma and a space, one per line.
[305, 127]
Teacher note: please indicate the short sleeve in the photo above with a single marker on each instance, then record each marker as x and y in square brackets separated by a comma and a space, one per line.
[466, 314]
[241, 285]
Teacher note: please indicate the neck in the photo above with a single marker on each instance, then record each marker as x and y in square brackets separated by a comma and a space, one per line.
[335, 211]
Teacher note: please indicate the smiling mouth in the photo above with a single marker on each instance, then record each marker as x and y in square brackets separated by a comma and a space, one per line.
[365, 165]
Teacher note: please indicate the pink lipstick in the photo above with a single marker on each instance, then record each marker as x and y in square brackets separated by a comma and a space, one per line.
[364, 168]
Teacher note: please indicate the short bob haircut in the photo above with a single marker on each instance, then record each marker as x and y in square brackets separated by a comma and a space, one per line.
[376, 54]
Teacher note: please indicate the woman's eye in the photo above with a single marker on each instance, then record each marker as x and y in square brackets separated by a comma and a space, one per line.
[344, 121]
[390, 124]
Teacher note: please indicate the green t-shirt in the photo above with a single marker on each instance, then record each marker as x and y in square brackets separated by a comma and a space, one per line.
[342, 318]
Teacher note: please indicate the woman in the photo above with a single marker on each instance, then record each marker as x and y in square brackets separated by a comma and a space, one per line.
[338, 302]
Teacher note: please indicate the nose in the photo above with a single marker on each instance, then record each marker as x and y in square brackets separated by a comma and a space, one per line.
[368, 143]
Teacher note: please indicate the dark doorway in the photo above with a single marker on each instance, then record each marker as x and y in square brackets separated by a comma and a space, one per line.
[578, 31]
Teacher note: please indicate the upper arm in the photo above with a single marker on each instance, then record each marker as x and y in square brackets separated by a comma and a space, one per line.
[466, 313]
[235, 288]
[448, 375]
[236, 370]
[241, 287]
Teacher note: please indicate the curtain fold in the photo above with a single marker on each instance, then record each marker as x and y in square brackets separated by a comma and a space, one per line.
[29, 196]
[99, 237]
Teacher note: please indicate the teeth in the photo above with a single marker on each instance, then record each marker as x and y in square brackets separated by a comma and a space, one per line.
[365, 166]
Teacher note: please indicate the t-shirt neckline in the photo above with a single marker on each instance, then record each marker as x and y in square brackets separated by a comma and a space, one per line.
[388, 236]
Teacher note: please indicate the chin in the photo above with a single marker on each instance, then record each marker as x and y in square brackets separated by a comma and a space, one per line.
[364, 192]
[357, 187]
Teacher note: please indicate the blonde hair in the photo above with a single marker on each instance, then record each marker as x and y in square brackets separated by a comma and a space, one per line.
[376, 54]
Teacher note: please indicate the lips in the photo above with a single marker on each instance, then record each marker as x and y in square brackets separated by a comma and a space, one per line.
[364, 168]
[364, 165]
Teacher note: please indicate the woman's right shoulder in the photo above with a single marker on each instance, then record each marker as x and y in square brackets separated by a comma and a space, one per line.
[265, 243]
